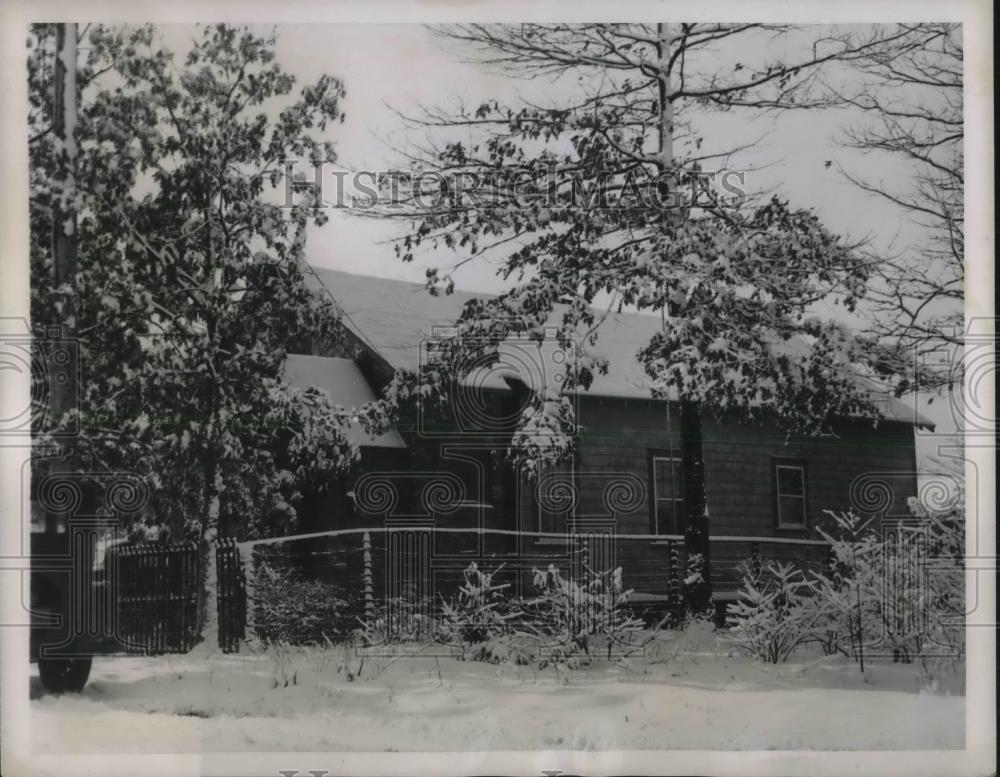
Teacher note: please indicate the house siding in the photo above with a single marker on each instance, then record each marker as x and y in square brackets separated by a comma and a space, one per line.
[857, 468]
[613, 448]
[870, 469]
[616, 437]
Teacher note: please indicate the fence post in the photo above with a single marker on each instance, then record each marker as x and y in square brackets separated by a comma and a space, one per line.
[192, 581]
[670, 576]
[584, 559]
[367, 579]
[121, 595]
[240, 583]
[249, 578]
[673, 566]
[232, 600]
[158, 559]
[148, 615]
[755, 560]
[221, 598]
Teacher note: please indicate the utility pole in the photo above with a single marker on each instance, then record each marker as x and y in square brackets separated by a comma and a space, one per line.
[64, 245]
[698, 595]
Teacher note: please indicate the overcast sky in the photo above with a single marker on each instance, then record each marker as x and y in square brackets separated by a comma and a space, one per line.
[405, 65]
[386, 67]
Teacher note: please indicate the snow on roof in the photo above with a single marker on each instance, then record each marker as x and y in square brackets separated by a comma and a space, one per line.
[396, 317]
[345, 384]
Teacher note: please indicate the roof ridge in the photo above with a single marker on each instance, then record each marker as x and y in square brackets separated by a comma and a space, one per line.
[391, 316]
[457, 291]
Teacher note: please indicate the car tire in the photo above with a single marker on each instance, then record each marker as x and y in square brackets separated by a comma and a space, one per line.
[64, 675]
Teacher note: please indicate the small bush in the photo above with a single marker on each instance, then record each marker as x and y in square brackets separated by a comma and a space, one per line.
[849, 593]
[875, 600]
[946, 579]
[480, 612]
[772, 615]
[295, 611]
[566, 621]
[397, 621]
[577, 617]
[502, 650]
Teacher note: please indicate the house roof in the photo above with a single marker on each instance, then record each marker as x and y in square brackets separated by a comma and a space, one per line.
[395, 318]
[345, 384]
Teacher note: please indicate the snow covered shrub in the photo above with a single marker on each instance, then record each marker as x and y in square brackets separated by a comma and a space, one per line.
[825, 634]
[904, 603]
[900, 592]
[946, 576]
[846, 605]
[296, 611]
[480, 612]
[501, 650]
[772, 615]
[576, 617]
[399, 620]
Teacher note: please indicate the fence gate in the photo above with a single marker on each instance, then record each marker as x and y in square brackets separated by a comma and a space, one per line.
[232, 597]
[157, 590]
[159, 601]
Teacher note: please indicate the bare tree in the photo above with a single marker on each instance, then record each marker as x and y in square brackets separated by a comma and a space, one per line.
[910, 95]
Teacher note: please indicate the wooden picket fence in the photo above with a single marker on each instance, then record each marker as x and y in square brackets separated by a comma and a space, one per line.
[232, 596]
[159, 589]
[158, 596]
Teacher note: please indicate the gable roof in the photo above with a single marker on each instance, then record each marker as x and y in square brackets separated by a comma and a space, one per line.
[345, 384]
[395, 317]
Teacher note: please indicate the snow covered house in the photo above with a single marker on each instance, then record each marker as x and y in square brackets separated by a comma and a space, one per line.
[763, 488]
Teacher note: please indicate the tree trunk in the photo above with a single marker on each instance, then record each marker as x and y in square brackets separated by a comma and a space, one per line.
[64, 248]
[697, 594]
[64, 117]
[210, 629]
[214, 485]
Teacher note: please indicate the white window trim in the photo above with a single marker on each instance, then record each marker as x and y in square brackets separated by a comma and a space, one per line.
[656, 500]
[782, 524]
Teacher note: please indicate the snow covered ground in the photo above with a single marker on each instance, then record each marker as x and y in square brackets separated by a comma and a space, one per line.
[687, 692]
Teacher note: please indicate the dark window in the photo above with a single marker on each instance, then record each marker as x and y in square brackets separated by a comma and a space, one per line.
[666, 493]
[790, 493]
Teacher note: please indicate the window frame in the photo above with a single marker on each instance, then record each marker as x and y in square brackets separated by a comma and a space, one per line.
[652, 456]
[779, 463]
